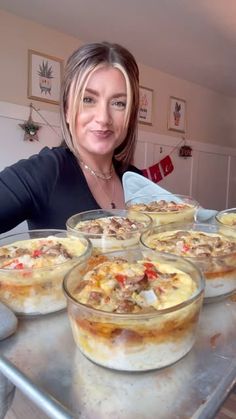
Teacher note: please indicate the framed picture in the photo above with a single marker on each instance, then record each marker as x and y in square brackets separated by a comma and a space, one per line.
[177, 114]
[44, 77]
[145, 105]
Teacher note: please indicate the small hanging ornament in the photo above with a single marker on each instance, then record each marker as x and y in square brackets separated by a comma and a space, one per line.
[30, 128]
[185, 151]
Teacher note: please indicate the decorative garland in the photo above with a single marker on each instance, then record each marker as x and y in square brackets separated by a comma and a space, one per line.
[165, 166]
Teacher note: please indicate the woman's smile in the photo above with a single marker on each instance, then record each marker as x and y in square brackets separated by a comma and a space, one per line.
[102, 133]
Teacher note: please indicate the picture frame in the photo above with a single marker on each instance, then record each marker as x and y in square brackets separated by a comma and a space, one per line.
[145, 105]
[177, 114]
[44, 77]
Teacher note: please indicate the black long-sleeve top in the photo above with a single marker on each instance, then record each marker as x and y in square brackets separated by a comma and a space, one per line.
[45, 189]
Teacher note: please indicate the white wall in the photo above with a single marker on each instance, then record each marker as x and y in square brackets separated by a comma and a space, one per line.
[210, 116]
[12, 145]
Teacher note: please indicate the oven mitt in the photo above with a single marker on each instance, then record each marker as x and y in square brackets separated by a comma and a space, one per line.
[135, 185]
[8, 322]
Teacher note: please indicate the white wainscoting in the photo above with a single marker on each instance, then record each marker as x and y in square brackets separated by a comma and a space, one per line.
[209, 175]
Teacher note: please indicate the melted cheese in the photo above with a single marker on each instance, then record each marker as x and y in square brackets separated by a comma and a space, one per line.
[161, 206]
[192, 243]
[168, 213]
[36, 253]
[143, 286]
[112, 233]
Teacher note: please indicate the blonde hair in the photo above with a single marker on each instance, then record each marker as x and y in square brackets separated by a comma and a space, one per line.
[79, 68]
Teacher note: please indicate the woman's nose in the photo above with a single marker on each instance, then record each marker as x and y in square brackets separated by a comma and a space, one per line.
[103, 115]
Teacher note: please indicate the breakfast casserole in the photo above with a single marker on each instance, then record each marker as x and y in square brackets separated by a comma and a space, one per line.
[165, 211]
[214, 253]
[132, 315]
[31, 273]
[109, 230]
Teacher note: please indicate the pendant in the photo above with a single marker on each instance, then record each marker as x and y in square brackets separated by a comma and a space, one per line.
[113, 205]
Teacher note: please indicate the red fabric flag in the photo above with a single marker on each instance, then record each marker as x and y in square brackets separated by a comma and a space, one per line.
[166, 165]
[155, 173]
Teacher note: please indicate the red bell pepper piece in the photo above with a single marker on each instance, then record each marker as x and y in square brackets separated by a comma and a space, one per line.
[19, 266]
[121, 278]
[36, 253]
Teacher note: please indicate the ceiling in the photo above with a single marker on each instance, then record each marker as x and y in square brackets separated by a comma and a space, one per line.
[192, 40]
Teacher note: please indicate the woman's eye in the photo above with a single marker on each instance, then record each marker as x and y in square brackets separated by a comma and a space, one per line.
[119, 104]
[88, 100]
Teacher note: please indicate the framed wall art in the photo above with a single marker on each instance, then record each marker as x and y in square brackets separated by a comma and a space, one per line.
[145, 105]
[177, 114]
[44, 77]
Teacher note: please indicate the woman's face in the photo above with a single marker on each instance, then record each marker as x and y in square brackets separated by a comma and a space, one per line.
[100, 121]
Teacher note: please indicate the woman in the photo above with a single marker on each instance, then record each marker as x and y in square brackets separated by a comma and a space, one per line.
[99, 108]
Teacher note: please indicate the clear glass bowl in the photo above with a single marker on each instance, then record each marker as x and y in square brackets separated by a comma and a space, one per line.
[135, 341]
[32, 267]
[227, 217]
[184, 208]
[111, 238]
[217, 261]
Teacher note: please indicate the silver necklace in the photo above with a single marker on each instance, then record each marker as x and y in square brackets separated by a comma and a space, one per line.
[103, 176]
